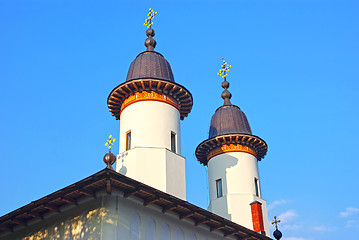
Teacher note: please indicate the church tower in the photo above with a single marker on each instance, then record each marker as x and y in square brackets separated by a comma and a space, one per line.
[150, 105]
[231, 154]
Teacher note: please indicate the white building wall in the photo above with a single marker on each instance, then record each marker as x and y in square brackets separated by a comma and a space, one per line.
[166, 226]
[149, 159]
[237, 170]
[157, 167]
[151, 124]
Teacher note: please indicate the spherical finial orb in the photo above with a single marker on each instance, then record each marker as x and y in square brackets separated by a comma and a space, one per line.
[225, 84]
[150, 43]
[277, 234]
[109, 159]
[150, 32]
[226, 94]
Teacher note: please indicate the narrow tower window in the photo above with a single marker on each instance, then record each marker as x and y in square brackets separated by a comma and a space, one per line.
[256, 185]
[128, 140]
[173, 142]
[219, 188]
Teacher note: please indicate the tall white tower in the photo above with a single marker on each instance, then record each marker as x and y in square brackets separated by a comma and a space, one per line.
[231, 153]
[150, 106]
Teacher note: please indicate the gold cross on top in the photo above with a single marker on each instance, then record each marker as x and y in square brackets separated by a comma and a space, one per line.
[275, 222]
[109, 142]
[151, 16]
[225, 68]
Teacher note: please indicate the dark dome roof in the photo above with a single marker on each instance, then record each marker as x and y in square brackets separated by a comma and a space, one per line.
[229, 119]
[150, 64]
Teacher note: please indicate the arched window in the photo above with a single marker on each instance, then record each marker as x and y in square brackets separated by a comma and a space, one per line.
[179, 234]
[150, 229]
[165, 232]
[135, 223]
[192, 236]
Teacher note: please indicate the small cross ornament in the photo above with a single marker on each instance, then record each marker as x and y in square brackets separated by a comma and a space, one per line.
[225, 68]
[276, 222]
[151, 16]
[109, 142]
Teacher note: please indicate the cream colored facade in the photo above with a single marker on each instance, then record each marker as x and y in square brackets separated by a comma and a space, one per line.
[113, 217]
[237, 171]
[150, 159]
[151, 124]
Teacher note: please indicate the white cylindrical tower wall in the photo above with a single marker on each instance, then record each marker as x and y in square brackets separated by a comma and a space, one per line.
[150, 159]
[238, 171]
[151, 124]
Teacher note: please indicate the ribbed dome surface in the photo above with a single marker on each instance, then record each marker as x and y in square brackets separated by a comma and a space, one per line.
[229, 119]
[150, 64]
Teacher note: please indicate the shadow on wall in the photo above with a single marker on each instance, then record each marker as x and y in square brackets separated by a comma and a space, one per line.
[86, 226]
[228, 163]
[220, 205]
[123, 169]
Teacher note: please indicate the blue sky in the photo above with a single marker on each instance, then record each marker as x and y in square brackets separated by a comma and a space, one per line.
[294, 73]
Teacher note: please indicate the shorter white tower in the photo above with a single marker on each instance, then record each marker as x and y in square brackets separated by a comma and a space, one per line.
[150, 105]
[231, 153]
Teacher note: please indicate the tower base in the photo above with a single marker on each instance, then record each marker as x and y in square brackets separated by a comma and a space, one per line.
[157, 167]
[237, 208]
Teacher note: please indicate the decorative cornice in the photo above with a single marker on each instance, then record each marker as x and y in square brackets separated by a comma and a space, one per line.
[254, 143]
[149, 96]
[230, 148]
[172, 90]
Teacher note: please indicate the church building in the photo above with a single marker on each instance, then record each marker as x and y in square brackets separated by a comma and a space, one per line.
[144, 197]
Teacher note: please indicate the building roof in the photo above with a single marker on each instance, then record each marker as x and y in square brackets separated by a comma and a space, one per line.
[150, 71]
[109, 180]
[229, 119]
[229, 125]
[150, 64]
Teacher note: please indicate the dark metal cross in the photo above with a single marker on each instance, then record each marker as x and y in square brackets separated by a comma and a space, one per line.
[276, 222]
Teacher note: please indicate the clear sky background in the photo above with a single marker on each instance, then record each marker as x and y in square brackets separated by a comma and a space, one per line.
[294, 73]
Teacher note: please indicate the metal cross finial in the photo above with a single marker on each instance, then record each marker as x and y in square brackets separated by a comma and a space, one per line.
[151, 16]
[276, 222]
[225, 68]
[109, 142]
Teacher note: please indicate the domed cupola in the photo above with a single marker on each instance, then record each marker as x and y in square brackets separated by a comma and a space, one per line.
[228, 118]
[150, 72]
[150, 64]
[229, 125]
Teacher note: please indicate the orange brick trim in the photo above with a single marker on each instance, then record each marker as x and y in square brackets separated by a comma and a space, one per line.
[230, 148]
[257, 217]
[149, 96]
